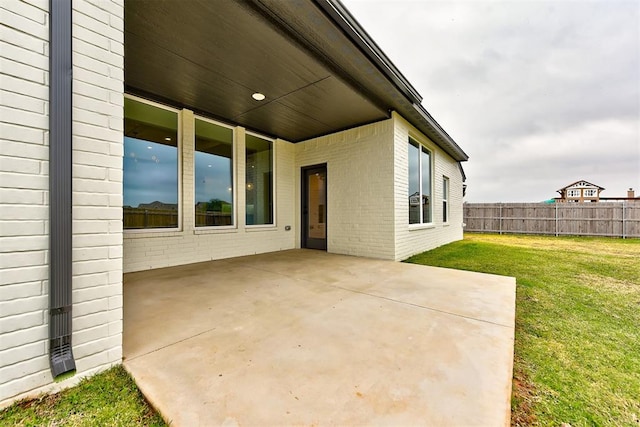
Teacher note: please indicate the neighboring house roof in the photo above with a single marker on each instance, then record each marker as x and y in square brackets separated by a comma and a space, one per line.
[320, 71]
[580, 184]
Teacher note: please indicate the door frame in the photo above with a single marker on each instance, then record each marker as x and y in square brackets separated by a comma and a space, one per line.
[304, 216]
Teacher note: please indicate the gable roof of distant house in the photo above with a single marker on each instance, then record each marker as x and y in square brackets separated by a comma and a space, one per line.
[581, 184]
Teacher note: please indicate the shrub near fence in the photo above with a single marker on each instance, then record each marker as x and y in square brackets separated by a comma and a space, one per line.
[611, 219]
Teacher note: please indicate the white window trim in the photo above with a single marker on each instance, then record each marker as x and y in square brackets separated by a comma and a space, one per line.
[173, 230]
[234, 165]
[258, 227]
[421, 143]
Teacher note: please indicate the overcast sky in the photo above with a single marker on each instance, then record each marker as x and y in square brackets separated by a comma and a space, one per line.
[539, 94]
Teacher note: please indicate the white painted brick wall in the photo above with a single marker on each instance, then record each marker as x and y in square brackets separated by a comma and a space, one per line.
[155, 249]
[413, 240]
[98, 27]
[360, 196]
[367, 209]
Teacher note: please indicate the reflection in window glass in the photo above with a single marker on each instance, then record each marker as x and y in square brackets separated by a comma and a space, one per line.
[150, 166]
[414, 183]
[213, 165]
[420, 203]
[426, 185]
[259, 180]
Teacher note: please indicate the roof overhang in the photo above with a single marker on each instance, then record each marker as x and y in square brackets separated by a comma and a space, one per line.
[318, 68]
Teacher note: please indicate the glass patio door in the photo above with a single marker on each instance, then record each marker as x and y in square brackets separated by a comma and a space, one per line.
[314, 207]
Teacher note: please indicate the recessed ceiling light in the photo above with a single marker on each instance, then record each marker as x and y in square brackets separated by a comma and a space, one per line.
[168, 138]
[258, 96]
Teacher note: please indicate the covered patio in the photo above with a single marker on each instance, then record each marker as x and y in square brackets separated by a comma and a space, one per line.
[305, 337]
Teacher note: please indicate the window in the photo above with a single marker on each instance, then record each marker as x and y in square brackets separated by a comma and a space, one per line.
[150, 166]
[445, 199]
[573, 193]
[259, 180]
[590, 192]
[213, 168]
[420, 205]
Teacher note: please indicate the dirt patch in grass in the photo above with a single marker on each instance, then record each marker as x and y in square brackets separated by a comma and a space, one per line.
[594, 245]
[523, 398]
[598, 282]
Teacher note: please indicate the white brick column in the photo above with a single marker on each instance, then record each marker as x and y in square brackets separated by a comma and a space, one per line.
[186, 166]
[98, 37]
[98, 99]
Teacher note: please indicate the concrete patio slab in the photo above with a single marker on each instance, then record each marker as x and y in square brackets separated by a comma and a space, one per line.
[309, 338]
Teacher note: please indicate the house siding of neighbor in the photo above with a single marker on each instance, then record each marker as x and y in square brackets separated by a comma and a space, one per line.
[372, 186]
[580, 192]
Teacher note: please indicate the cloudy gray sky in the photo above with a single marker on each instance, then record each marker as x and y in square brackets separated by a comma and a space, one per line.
[539, 93]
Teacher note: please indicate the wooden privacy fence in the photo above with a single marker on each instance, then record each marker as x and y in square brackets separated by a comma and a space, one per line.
[611, 219]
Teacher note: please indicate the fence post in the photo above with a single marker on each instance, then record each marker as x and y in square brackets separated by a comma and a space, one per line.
[624, 223]
[500, 217]
[556, 219]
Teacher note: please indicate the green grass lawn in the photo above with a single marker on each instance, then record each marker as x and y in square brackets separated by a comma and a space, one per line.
[577, 349]
[110, 398]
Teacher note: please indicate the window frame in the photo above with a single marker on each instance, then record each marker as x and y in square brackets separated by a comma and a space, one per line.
[179, 159]
[422, 146]
[234, 173]
[273, 224]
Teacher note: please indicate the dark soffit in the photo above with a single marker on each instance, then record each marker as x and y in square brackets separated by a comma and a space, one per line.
[210, 56]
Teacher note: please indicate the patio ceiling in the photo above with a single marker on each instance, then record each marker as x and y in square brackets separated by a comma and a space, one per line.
[319, 70]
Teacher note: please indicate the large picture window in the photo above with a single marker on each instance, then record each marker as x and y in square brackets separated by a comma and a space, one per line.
[259, 180]
[420, 203]
[213, 165]
[150, 167]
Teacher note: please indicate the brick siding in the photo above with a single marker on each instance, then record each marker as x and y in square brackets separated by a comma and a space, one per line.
[359, 188]
[410, 240]
[97, 192]
[148, 249]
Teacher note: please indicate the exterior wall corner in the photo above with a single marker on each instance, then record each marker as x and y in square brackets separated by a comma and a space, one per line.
[97, 98]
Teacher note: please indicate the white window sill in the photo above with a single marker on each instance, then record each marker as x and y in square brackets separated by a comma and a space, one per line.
[256, 228]
[414, 227]
[152, 232]
[215, 230]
